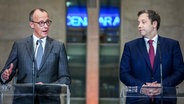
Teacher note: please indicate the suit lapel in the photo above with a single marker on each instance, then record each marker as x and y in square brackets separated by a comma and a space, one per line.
[156, 61]
[144, 52]
[29, 47]
[157, 57]
[48, 48]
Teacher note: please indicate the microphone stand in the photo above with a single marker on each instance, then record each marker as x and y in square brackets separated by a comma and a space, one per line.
[33, 73]
[161, 78]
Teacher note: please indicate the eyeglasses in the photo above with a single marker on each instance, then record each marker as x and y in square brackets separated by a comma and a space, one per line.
[42, 23]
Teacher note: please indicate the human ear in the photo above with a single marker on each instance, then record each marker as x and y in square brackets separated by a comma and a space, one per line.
[31, 25]
[155, 24]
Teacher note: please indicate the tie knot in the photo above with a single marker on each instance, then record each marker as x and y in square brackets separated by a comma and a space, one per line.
[150, 42]
[39, 41]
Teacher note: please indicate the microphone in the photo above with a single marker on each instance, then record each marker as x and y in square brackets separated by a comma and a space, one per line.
[160, 60]
[161, 78]
[33, 72]
[37, 43]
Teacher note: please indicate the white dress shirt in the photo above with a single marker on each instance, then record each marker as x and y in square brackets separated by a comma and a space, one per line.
[155, 39]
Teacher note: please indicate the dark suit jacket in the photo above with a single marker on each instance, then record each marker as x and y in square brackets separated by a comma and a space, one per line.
[135, 67]
[54, 65]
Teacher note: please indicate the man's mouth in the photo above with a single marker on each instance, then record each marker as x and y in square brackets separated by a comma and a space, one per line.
[44, 30]
[141, 30]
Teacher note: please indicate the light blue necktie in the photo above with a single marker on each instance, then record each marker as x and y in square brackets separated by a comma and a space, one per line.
[39, 53]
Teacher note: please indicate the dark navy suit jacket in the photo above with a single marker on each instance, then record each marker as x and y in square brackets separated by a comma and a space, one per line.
[135, 67]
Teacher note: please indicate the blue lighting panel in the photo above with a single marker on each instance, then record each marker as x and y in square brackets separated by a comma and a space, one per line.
[108, 17]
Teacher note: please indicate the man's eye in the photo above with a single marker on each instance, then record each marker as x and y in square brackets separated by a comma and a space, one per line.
[143, 22]
[41, 22]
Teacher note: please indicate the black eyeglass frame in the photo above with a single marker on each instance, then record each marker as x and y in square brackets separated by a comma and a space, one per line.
[42, 23]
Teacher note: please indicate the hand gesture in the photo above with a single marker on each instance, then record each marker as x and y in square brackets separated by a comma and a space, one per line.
[151, 89]
[6, 74]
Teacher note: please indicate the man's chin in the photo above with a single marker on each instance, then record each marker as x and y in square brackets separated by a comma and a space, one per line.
[142, 34]
[44, 35]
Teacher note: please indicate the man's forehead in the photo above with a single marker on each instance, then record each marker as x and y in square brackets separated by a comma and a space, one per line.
[40, 14]
[143, 16]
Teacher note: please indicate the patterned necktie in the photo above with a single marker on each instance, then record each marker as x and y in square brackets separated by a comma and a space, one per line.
[151, 53]
[39, 53]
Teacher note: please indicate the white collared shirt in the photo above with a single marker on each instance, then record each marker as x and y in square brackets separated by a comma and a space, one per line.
[36, 47]
[155, 39]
